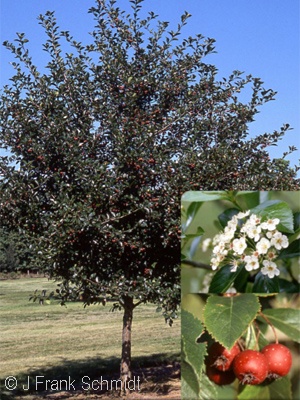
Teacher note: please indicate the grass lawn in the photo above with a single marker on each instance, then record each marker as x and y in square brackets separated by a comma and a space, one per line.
[57, 341]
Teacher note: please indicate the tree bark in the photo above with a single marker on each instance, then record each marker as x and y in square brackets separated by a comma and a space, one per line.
[126, 373]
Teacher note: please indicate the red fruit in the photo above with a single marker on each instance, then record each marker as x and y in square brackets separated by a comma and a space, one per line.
[279, 358]
[250, 367]
[222, 358]
[220, 377]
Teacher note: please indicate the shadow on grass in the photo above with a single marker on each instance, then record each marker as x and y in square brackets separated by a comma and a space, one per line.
[90, 375]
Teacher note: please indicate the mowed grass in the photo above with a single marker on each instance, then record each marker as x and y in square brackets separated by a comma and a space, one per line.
[62, 340]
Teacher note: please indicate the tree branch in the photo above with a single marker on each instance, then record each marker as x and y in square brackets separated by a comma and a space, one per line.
[138, 303]
[122, 216]
[196, 264]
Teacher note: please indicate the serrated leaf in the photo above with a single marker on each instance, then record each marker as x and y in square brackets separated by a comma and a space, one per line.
[193, 352]
[276, 209]
[287, 320]
[189, 382]
[227, 318]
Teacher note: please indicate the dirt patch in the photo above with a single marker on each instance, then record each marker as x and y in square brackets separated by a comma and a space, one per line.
[160, 382]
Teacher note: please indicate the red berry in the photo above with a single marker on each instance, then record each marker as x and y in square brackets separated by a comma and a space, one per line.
[220, 357]
[279, 358]
[250, 367]
[220, 377]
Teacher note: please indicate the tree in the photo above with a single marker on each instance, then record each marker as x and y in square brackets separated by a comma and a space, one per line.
[105, 142]
[14, 252]
[9, 260]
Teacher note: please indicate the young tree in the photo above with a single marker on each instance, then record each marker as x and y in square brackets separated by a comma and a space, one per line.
[105, 142]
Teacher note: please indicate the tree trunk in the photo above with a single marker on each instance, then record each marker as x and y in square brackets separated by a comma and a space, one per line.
[126, 342]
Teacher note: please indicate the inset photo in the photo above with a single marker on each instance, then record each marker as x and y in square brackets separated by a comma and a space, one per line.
[240, 241]
[240, 346]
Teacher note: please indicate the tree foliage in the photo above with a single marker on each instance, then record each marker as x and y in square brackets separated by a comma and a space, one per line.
[15, 254]
[103, 144]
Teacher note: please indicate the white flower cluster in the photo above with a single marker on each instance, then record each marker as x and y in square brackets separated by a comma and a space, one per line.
[248, 241]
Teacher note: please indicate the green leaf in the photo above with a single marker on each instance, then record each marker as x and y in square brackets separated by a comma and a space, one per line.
[204, 196]
[241, 280]
[296, 227]
[292, 251]
[254, 392]
[203, 390]
[287, 320]
[247, 199]
[281, 389]
[223, 278]
[276, 209]
[288, 287]
[277, 390]
[198, 233]
[297, 221]
[208, 390]
[227, 318]
[189, 382]
[227, 216]
[264, 284]
[190, 214]
[192, 353]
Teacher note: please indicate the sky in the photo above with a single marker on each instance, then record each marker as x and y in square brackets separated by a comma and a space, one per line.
[258, 37]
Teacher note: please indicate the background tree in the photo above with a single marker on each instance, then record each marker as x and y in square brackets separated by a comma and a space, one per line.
[9, 260]
[15, 254]
[105, 142]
